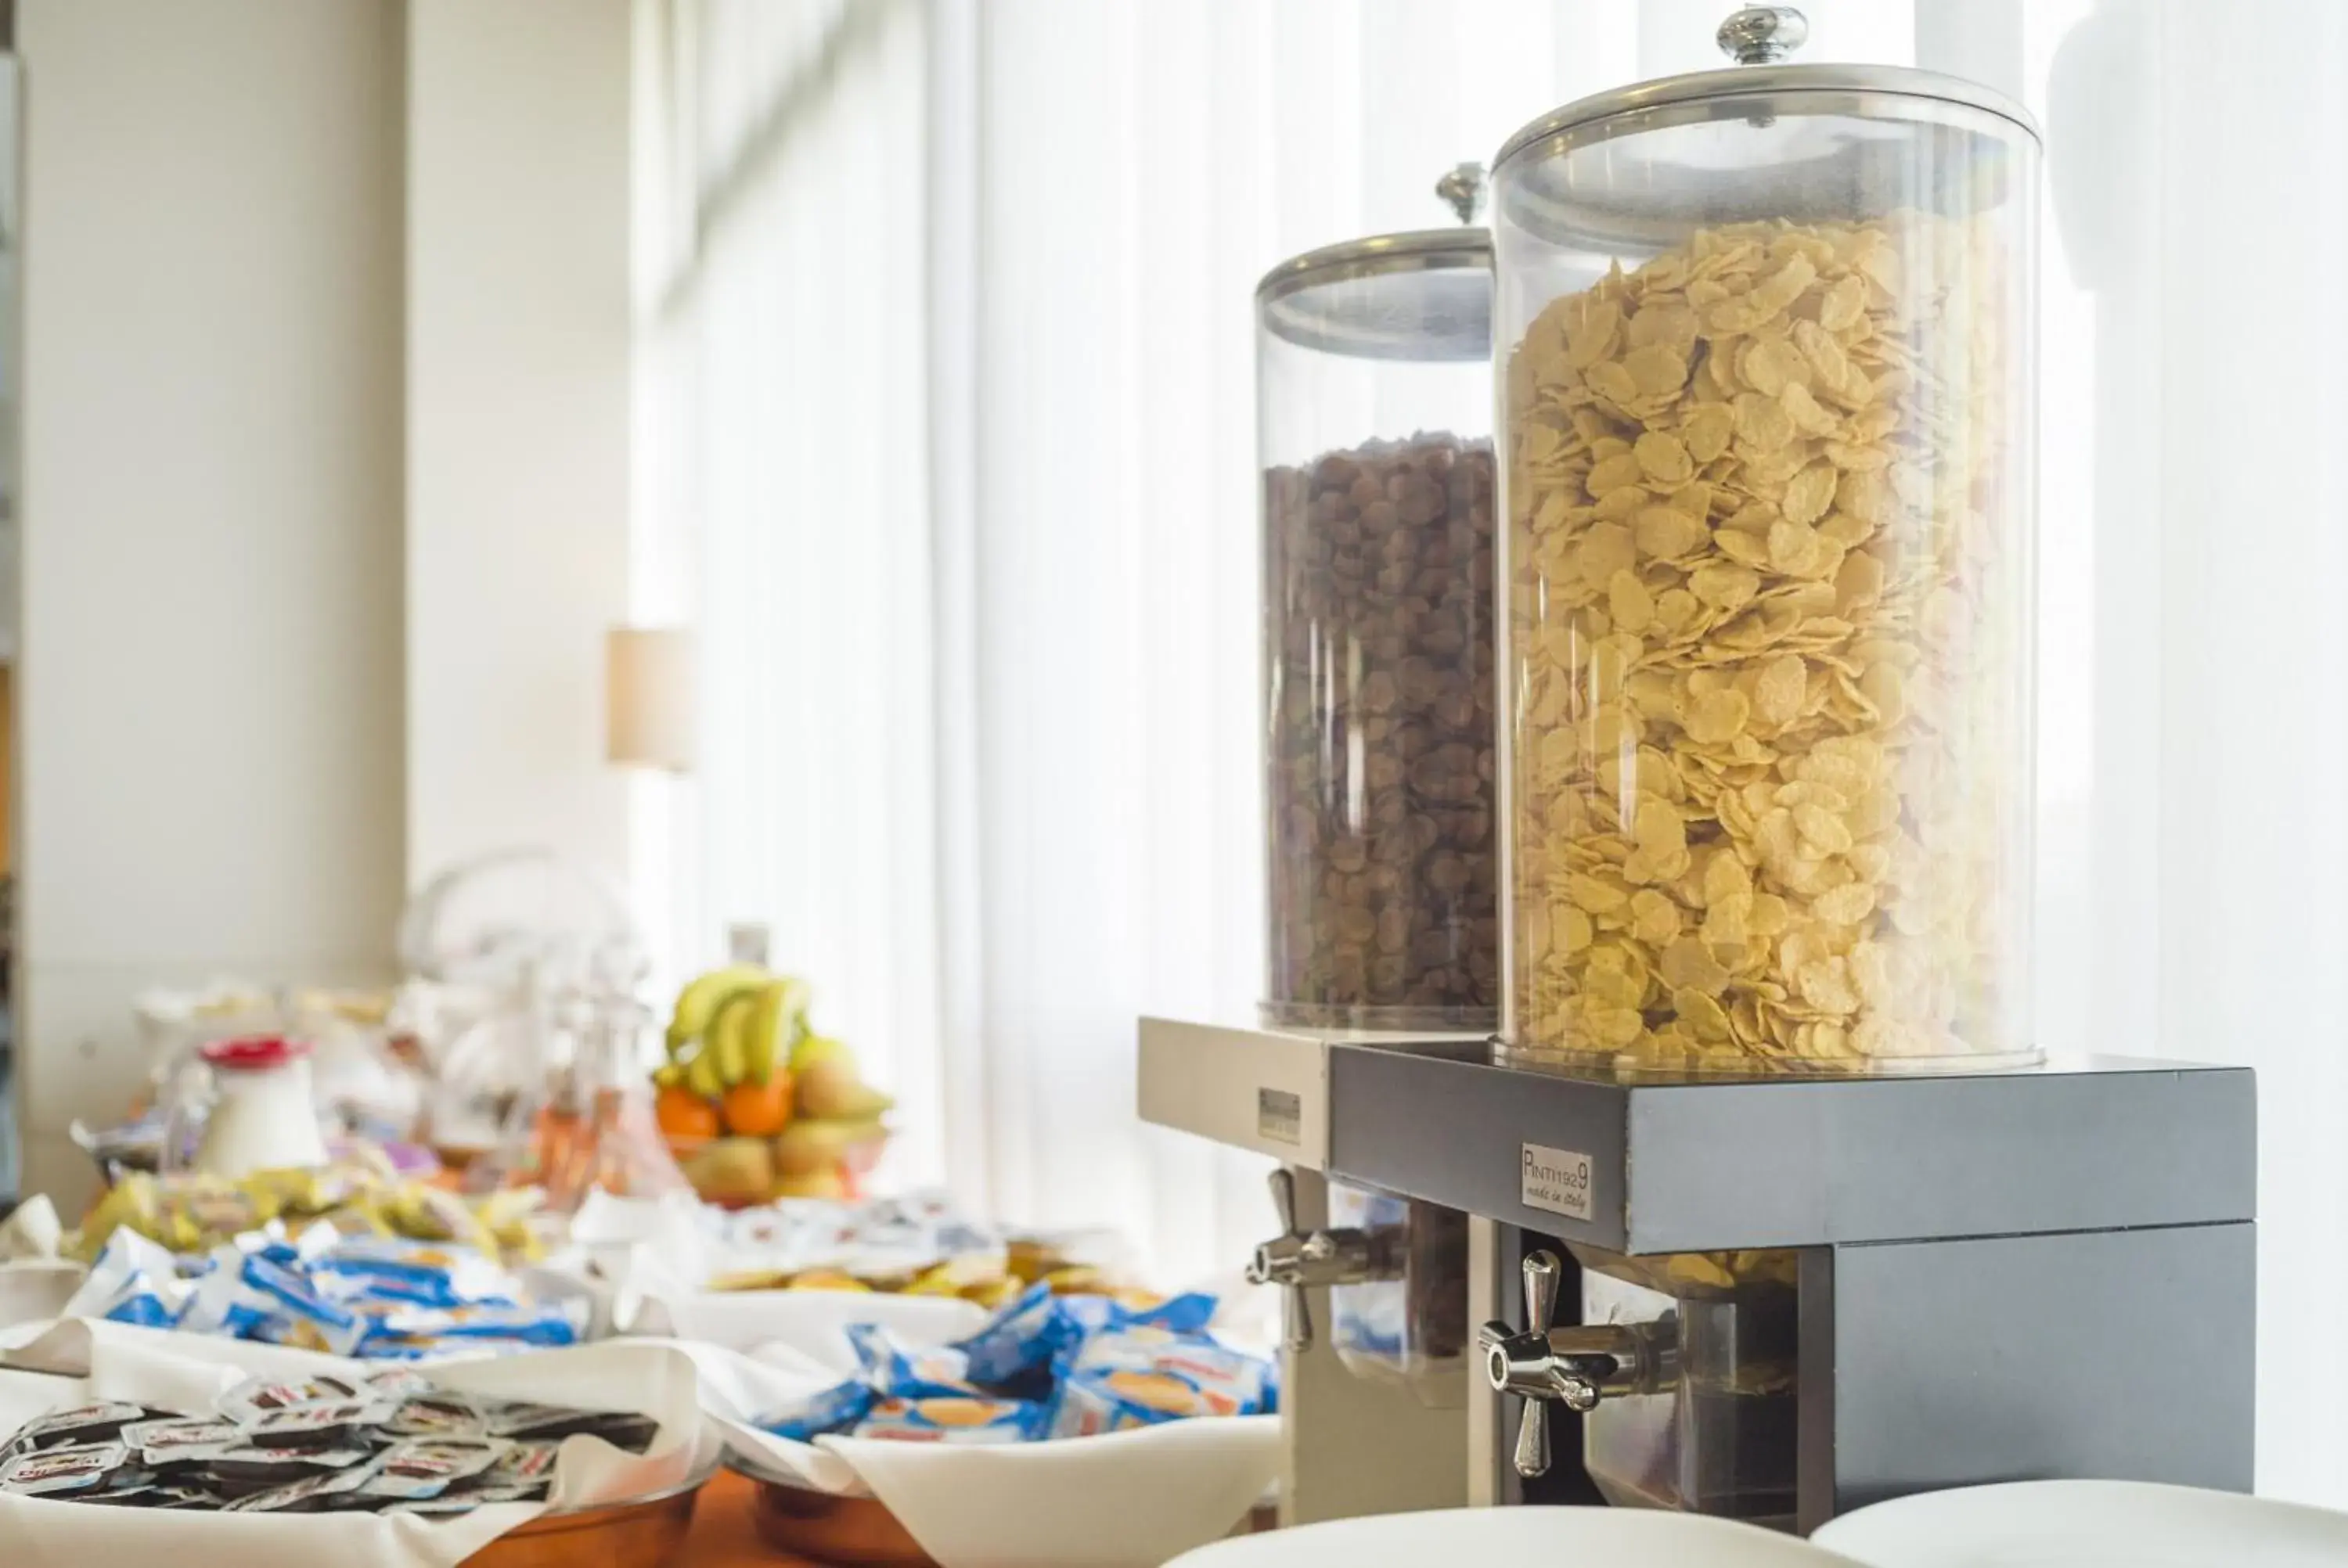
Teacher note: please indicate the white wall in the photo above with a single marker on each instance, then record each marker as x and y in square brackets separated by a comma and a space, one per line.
[518, 421]
[211, 716]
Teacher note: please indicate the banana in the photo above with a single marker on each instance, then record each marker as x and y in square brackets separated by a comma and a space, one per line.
[730, 1036]
[702, 1077]
[667, 1075]
[697, 1003]
[777, 1011]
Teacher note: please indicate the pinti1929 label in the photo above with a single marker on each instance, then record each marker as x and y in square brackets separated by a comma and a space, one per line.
[1557, 1181]
[1280, 1115]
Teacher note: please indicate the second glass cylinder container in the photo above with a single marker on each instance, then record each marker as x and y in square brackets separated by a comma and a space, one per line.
[1375, 431]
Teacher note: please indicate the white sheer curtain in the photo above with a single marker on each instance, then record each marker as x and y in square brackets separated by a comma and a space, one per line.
[948, 424]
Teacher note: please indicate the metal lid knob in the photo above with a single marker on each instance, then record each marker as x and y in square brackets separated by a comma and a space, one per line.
[1463, 189]
[1762, 35]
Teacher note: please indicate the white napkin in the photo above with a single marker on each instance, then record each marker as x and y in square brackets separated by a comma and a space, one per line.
[183, 1371]
[32, 1232]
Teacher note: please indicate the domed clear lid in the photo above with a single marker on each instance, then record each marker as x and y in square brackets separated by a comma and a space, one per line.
[1765, 140]
[1426, 294]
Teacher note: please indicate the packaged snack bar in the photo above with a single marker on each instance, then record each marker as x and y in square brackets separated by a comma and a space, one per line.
[1198, 1358]
[1141, 1376]
[548, 1325]
[260, 1296]
[892, 1371]
[1031, 1332]
[422, 1273]
[955, 1419]
[61, 1472]
[833, 1411]
[133, 1280]
[1186, 1314]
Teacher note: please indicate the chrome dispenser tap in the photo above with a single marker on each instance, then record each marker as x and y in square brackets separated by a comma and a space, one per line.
[1576, 1366]
[1298, 1261]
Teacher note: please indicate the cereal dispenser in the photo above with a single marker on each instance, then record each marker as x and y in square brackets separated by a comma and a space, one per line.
[1798, 1218]
[1774, 1205]
[1764, 353]
[1374, 421]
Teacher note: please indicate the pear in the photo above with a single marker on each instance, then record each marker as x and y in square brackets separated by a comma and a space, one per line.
[830, 1090]
[735, 1172]
[812, 1047]
[807, 1147]
[821, 1185]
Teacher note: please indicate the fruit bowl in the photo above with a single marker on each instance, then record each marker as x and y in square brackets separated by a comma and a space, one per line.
[755, 1105]
[728, 1171]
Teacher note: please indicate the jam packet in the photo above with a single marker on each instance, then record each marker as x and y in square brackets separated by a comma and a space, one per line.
[522, 1464]
[79, 1427]
[438, 1415]
[78, 1468]
[311, 1494]
[553, 1423]
[181, 1441]
[424, 1467]
[258, 1397]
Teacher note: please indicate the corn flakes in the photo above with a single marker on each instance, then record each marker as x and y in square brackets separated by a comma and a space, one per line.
[1754, 523]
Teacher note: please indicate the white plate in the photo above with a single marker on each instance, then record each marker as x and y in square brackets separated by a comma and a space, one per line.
[2088, 1524]
[1585, 1537]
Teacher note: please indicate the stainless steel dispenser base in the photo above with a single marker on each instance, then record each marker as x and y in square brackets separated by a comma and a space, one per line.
[1350, 1446]
[2004, 1277]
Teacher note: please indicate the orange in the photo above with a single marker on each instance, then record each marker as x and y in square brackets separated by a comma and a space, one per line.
[681, 1113]
[756, 1110]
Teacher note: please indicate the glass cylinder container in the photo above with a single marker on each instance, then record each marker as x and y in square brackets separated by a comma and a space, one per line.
[1373, 408]
[1406, 1324]
[1765, 372]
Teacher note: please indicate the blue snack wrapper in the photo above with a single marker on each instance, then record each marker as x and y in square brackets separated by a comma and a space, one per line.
[251, 1296]
[833, 1411]
[956, 1419]
[134, 1280]
[1032, 1331]
[1187, 1313]
[1144, 1375]
[426, 1274]
[539, 1326]
[1045, 1366]
[892, 1371]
